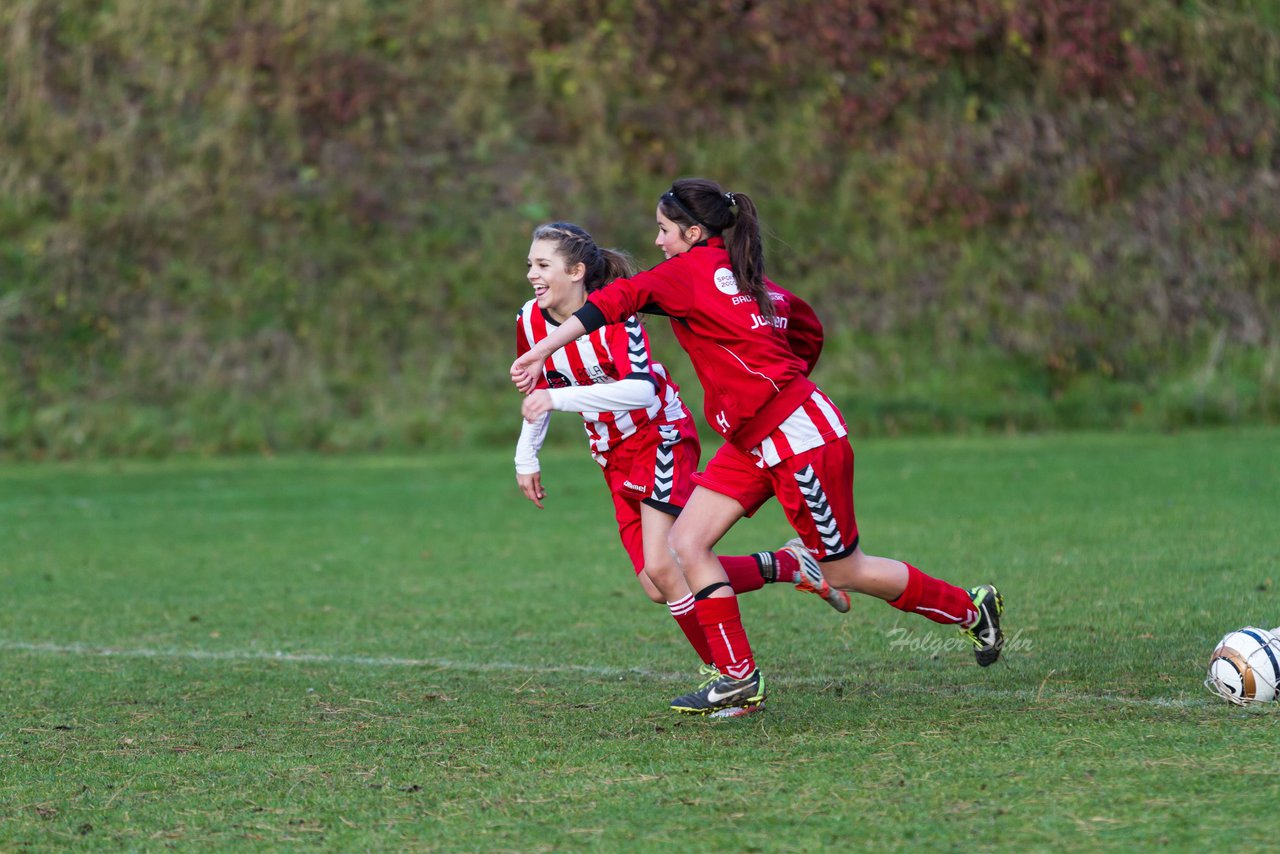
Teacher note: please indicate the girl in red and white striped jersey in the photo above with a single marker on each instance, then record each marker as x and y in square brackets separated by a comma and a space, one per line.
[753, 345]
[638, 428]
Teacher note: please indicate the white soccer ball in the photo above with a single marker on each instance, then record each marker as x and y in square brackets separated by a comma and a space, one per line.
[1245, 666]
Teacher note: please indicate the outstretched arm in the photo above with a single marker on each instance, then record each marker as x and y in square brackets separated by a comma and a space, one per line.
[524, 370]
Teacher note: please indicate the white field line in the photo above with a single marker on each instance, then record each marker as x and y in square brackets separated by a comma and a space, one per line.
[1038, 697]
[321, 658]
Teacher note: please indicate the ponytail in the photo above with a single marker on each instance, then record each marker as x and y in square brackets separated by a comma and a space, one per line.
[731, 216]
[616, 265]
[576, 246]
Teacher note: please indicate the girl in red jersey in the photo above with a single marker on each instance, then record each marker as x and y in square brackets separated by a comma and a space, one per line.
[638, 428]
[753, 345]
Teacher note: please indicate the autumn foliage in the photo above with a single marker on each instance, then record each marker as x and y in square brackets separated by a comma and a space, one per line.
[253, 226]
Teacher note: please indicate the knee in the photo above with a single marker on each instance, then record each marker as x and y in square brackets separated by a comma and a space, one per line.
[682, 543]
[647, 583]
[662, 573]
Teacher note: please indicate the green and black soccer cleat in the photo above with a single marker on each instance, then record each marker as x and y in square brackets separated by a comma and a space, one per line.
[985, 634]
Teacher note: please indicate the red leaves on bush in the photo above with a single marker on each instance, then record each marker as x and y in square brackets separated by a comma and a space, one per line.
[872, 55]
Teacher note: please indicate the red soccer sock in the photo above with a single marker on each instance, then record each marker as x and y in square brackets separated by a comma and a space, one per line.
[744, 573]
[935, 599]
[687, 619]
[722, 623]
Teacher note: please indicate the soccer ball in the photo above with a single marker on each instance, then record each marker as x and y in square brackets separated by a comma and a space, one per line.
[1245, 666]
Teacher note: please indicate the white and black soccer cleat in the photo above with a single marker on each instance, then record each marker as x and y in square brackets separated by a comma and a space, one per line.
[811, 580]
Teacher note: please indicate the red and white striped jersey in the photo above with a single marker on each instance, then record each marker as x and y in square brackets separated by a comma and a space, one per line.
[613, 352]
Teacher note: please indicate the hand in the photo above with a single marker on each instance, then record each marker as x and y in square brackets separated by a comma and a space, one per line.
[536, 405]
[531, 486]
[524, 371]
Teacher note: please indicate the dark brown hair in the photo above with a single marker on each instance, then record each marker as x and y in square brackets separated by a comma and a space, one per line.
[732, 216]
[576, 246]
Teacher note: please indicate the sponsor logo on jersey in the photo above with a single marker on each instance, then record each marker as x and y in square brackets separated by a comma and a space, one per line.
[629, 485]
[726, 282]
[757, 321]
[585, 375]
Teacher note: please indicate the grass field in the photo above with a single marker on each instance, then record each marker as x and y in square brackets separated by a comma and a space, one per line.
[401, 653]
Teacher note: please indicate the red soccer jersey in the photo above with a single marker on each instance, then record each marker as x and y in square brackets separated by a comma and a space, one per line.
[754, 375]
[608, 354]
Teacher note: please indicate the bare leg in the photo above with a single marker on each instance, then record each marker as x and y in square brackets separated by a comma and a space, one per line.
[661, 572]
[665, 583]
[650, 589]
[704, 520]
[858, 572]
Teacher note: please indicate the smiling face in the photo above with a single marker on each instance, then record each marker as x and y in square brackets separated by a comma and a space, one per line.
[559, 290]
[671, 240]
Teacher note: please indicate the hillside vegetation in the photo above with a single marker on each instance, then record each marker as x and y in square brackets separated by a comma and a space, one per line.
[247, 226]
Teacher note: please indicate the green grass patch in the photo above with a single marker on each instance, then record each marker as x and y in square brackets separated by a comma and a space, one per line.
[399, 652]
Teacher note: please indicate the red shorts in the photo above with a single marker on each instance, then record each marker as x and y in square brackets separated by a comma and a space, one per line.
[656, 467]
[815, 489]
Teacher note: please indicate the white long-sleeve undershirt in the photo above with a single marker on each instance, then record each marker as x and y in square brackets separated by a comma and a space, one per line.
[598, 397]
[604, 397]
[532, 435]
